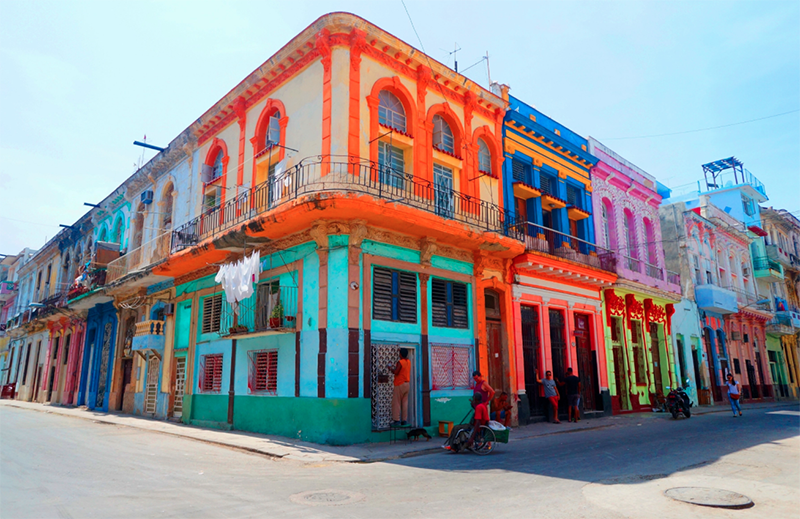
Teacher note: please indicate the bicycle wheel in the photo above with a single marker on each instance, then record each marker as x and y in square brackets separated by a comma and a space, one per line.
[484, 443]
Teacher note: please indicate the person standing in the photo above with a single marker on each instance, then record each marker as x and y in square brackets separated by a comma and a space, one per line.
[482, 388]
[550, 392]
[402, 379]
[573, 384]
[734, 392]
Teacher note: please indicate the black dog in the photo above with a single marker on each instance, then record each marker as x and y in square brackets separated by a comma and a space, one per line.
[414, 434]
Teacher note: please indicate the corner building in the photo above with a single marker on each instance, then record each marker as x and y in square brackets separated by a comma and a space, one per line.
[367, 177]
[557, 281]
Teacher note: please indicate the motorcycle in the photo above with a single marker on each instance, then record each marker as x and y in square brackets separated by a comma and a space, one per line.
[679, 402]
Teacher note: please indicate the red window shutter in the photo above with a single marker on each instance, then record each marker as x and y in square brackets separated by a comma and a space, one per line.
[272, 373]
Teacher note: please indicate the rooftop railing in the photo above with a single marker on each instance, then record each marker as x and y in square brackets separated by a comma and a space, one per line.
[364, 177]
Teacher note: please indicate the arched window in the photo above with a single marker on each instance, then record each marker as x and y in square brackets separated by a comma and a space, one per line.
[274, 130]
[102, 235]
[116, 233]
[216, 169]
[390, 111]
[166, 207]
[443, 135]
[630, 234]
[650, 236]
[484, 158]
[608, 224]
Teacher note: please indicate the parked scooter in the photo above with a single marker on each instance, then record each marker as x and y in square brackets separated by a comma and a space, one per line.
[679, 402]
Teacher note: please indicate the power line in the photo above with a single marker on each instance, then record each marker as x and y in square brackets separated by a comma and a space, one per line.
[700, 129]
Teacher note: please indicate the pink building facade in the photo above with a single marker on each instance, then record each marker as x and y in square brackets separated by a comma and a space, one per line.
[639, 306]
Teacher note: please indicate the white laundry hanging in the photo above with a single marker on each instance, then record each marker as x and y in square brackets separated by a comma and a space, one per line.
[237, 279]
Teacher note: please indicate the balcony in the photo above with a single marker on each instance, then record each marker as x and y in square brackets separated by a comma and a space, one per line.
[781, 325]
[712, 298]
[549, 241]
[273, 309]
[7, 289]
[673, 277]
[363, 177]
[779, 255]
[139, 258]
[743, 297]
[767, 269]
[148, 336]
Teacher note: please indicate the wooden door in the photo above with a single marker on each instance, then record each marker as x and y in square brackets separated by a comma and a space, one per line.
[151, 387]
[494, 349]
[530, 357]
[621, 379]
[586, 370]
[655, 351]
[180, 386]
[557, 343]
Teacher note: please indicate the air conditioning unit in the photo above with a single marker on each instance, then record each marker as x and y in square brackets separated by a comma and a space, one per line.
[736, 336]
[169, 309]
[147, 197]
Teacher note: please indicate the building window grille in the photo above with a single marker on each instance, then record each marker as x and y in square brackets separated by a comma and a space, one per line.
[443, 135]
[274, 130]
[548, 184]
[212, 310]
[211, 373]
[449, 304]
[391, 112]
[392, 164]
[394, 296]
[484, 158]
[263, 372]
[451, 368]
[574, 196]
[216, 170]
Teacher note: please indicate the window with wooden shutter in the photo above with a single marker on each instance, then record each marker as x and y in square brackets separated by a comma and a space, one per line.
[451, 366]
[263, 372]
[449, 304]
[394, 295]
[574, 196]
[519, 171]
[211, 373]
[212, 310]
[547, 183]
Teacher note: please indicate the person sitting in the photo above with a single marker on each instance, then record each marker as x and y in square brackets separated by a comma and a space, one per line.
[501, 409]
[480, 418]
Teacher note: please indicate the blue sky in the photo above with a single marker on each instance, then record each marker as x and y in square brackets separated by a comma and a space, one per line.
[79, 81]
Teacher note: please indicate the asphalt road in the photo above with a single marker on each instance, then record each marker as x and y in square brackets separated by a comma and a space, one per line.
[55, 466]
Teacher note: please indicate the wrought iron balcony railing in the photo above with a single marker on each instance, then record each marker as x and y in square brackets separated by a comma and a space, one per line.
[673, 277]
[272, 308]
[765, 263]
[543, 239]
[364, 177]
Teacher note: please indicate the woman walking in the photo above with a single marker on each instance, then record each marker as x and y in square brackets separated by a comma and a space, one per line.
[733, 395]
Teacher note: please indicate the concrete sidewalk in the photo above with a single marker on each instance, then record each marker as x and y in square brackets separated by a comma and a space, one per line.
[286, 448]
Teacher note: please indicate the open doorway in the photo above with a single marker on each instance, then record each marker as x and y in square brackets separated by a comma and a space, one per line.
[383, 356]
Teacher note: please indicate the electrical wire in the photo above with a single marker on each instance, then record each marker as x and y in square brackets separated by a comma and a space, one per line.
[700, 129]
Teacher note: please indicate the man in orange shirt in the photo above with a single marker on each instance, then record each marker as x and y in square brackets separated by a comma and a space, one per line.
[481, 417]
[402, 377]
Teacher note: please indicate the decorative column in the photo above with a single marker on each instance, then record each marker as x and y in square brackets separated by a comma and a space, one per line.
[358, 231]
[424, 352]
[358, 43]
[320, 235]
[239, 108]
[324, 49]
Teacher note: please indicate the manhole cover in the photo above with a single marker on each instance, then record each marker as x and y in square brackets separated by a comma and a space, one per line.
[326, 497]
[715, 497]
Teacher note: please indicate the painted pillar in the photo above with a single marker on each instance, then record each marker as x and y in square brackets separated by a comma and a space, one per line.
[598, 339]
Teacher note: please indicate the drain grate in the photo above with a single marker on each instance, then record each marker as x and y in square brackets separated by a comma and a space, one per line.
[714, 497]
[328, 497]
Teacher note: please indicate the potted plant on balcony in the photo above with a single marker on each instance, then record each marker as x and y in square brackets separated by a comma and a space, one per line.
[276, 317]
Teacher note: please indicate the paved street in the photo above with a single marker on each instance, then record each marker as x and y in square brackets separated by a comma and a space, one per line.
[56, 466]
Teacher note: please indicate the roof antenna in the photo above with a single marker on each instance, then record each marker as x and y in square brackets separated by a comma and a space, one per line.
[456, 48]
[488, 72]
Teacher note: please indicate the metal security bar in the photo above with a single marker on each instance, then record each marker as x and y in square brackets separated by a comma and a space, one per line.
[365, 177]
